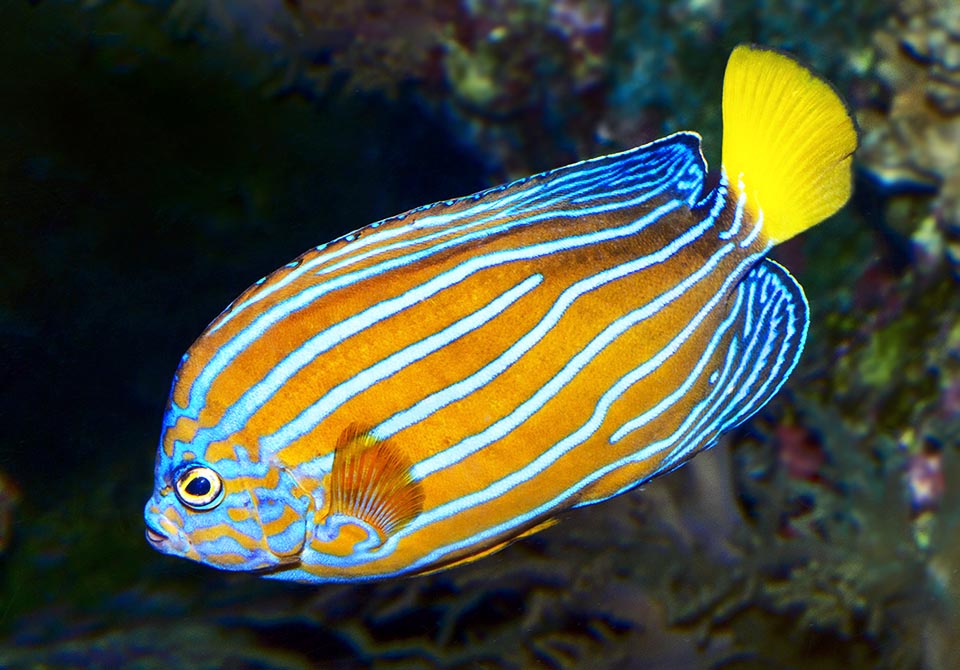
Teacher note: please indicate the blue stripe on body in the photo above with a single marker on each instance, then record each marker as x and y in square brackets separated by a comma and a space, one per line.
[544, 460]
[722, 385]
[646, 417]
[707, 417]
[530, 212]
[254, 330]
[396, 362]
[459, 390]
[552, 454]
[643, 454]
[671, 399]
[684, 388]
[421, 410]
[545, 508]
[693, 426]
[328, 338]
[324, 340]
[757, 227]
[499, 429]
[737, 216]
[536, 402]
[723, 396]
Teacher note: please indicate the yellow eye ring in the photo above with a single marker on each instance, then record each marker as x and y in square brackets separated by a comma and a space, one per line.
[200, 488]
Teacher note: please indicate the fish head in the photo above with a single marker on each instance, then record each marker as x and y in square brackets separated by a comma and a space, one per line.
[233, 514]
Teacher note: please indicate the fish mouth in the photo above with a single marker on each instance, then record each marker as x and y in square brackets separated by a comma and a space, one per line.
[154, 536]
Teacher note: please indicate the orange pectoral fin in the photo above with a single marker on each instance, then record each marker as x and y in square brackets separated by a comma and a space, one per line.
[371, 481]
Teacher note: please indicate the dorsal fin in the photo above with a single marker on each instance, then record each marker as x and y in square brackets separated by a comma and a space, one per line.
[673, 166]
[470, 558]
[371, 481]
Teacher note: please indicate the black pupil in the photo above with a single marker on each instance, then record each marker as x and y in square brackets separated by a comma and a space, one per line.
[198, 486]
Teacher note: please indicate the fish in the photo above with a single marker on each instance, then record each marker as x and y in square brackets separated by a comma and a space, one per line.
[421, 392]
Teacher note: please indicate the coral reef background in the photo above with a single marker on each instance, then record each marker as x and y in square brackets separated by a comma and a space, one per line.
[157, 156]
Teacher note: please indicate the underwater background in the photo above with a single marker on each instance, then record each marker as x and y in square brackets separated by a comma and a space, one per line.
[156, 157]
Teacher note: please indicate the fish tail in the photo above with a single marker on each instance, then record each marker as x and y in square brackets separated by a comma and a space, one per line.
[788, 141]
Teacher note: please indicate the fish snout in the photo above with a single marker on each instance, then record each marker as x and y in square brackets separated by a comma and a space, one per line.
[154, 536]
[162, 534]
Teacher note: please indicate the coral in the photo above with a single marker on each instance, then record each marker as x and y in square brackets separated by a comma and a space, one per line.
[184, 644]
[870, 536]
[517, 76]
[912, 127]
[531, 83]
[665, 71]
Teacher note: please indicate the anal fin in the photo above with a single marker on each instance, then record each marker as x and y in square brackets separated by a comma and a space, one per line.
[543, 525]
[750, 358]
[770, 328]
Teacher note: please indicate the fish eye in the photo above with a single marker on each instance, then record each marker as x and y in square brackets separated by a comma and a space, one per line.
[199, 487]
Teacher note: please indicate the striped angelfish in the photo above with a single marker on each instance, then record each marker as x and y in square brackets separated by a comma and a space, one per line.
[421, 392]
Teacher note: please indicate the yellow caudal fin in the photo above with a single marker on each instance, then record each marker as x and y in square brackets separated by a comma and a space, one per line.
[787, 141]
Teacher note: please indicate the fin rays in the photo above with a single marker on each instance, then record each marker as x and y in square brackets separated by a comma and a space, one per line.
[787, 134]
[371, 481]
[771, 331]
